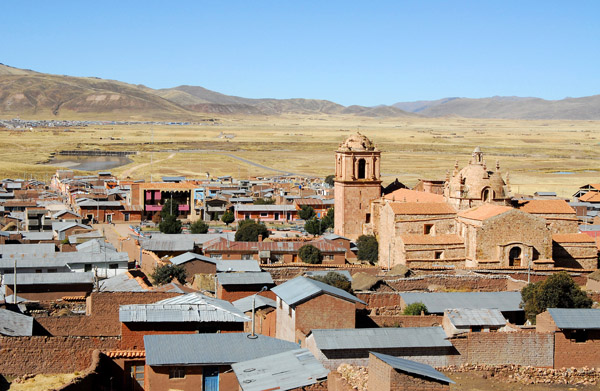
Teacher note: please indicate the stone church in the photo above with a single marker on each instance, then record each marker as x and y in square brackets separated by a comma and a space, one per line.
[474, 223]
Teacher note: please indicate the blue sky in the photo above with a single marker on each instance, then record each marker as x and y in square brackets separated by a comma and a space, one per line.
[350, 52]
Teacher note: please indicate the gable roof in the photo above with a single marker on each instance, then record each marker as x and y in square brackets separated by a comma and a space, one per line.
[590, 196]
[438, 302]
[204, 349]
[283, 371]
[573, 238]
[380, 338]
[193, 307]
[576, 318]
[238, 265]
[484, 212]
[244, 278]
[421, 208]
[413, 367]
[547, 206]
[461, 317]
[190, 256]
[300, 289]
[407, 195]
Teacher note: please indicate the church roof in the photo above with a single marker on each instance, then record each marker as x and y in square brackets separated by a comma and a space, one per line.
[421, 208]
[547, 206]
[357, 142]
[484, 212]
[573, 238]
[407, 195]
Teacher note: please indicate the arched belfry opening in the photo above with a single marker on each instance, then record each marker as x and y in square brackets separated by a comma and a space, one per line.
[514, 256]
[362, 168]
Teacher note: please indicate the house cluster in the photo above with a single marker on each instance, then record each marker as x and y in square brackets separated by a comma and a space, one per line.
[253, 316]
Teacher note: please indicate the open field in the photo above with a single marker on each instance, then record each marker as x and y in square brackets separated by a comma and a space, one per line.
[540, 155]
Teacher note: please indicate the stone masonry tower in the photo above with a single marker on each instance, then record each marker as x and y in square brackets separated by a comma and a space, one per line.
[357, 183]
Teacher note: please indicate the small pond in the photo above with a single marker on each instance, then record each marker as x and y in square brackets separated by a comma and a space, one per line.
[89, 163]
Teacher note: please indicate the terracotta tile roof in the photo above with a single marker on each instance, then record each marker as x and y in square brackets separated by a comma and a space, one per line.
[169, 186]
[573, 238]
[20, 203]
[429, 239]
[484, 212]
[590, 196]
[547, 206]
[126, 354]
[407, 195]
[421, 208]
[595, 186]
[309, 201]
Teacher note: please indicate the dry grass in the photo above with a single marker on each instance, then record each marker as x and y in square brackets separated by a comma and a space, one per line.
[532, 151]
[43, 382]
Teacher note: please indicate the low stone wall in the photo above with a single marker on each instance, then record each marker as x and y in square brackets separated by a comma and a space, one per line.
[406, 320]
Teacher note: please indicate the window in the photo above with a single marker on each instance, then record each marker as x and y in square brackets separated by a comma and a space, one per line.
[368, 218]
[264, 214]
[247, 257]
[438, 255]
[580, 336]
[476, 329]
[427, 229]
[176, 373]
[87, 267]
[137, 373]
[113, 266]
[362, 166]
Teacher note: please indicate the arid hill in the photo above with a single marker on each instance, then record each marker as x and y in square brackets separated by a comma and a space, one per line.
[509, 107]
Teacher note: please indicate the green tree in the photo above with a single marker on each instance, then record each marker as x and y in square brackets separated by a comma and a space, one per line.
[170, 225]
[315, 226]
[557, 291]
[306, 212]
[249, 230]
[368, 248]
[329, 180]
[310, 254]
[335, 279]
[199, 227]
[170, 207]
[228, 217]
[329, 218]
[415, 309]
[264, 201]
[166, 273]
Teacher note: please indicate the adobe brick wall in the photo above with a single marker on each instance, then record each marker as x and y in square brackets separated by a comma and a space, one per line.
[407, 320]
[325, 312]
[157, 378]
[379, 299]
[232, 293]
[569, 353]
[335, 382]
[383, 377]
[103, 314]
[50, 292]
[450, 282]
[35, 355]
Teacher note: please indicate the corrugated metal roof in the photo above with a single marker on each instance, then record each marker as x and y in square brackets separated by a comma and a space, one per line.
[207, 349]
[244, 278]
[50, 278]
[120, 283]
[189, 256]
[175, 244]
[461, 317]
[38, 248]
[37, 235]
[238, 265]
[282, 371]
[413, 367]
[380, 338]
[193, 307]
[576, 318]
[245, 304]
[96, 245]
[438, 302]
[300, 289]
[14, 324]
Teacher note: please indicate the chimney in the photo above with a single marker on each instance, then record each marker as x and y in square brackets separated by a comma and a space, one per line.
[260, 238]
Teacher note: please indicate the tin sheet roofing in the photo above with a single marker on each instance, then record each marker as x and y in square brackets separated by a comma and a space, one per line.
[238, 265]
[378, 338]
[461, 317]
[193, 307]
[438, 302]
[576, 318]
[189, 256]
[245, 304]
[244, 278]
[37, 235]
[282, 371]
[50, 278]
[14, 324]
[301, 289]
[206, 349]
[120, 283]
[413, 367]
[175, 244]
[38, 248]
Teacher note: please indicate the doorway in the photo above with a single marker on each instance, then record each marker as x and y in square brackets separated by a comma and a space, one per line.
[514, 256]
[210, 379]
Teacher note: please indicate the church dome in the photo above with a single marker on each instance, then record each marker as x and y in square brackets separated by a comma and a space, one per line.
[357, 142]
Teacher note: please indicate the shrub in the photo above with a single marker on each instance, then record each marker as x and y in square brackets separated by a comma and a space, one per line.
[310, 254]
[228, 217]
[335, 279]
[368, 248]
[166, 273]
[415, 309]
[249, 230]
[199, 227]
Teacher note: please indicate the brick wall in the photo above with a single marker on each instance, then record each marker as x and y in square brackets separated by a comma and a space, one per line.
[325, 312]
[569, 353]
[335, 382]
[103, 314]
[383, 377]
[23, 355]
[407, 320]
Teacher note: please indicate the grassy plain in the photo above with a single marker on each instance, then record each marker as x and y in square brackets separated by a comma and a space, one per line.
[537, 154]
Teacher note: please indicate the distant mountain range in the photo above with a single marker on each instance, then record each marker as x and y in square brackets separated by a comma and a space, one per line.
[25, 92]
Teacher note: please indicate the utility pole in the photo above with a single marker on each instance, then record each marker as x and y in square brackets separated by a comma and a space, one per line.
[15, 283]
